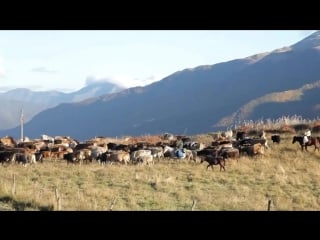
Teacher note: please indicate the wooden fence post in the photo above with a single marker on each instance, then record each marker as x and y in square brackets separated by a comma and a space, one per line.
[112, 204]
[13, 190]
[269, 204]
[58, 199]
[194, 202]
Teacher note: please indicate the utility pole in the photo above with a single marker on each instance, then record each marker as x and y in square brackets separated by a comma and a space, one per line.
[21, 125]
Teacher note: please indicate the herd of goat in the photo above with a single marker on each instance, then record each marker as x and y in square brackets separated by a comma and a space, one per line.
[104, 150]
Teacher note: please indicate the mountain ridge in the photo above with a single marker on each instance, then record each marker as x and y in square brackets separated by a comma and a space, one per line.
[194, 100]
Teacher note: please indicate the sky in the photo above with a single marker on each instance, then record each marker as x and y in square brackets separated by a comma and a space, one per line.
[68, 60]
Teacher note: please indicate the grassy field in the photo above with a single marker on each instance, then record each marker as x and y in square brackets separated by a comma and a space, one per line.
[284, 174]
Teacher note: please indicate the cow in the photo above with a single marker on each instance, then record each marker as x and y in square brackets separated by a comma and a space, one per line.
[157, 152]
[96, 151]
[176, 153]
[168, 136]
[119, 147]
[21, 158]
[39, 157]
[193, 145]
[240, 136]
[138, 155]
[120, 156]
[275, 138]
[7, 156]
[230, 153]
[25, 157]
[8, 141]
[228, 134]
[114, 156]
[263, 136]
[214, 160]
[47, 138]
[145, 159]
[57, 155]
[30, 157]
[253, 150]
[71, 158]
[252, 141]
[45, 153]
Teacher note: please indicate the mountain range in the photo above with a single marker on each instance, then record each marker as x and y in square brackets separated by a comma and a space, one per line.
[33, 102]
[197, 100]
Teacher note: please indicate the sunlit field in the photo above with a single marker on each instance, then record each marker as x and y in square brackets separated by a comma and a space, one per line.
[284, 175]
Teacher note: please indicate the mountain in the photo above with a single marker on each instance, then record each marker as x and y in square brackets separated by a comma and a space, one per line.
[197, 100]
[33, 102]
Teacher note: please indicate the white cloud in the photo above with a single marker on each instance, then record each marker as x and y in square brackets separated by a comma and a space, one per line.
[124, 80]
[121, 80]
[95, 79]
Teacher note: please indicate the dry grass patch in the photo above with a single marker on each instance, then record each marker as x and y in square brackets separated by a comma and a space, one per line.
[284, 174]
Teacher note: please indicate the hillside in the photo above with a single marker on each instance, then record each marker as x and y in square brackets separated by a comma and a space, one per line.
[197, 100]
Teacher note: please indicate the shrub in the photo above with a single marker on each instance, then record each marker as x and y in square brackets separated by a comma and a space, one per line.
[301, 127]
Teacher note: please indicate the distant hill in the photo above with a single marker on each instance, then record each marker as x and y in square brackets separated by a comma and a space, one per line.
[198, 100]
[33, 102]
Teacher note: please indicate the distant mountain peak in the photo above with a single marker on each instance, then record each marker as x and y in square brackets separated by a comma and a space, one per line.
[312, 41]
[96, 88]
